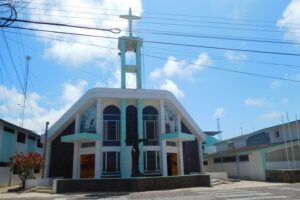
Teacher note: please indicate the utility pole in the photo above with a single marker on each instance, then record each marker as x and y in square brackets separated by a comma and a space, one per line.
[286, 147]
[28, 58]
[291, 139]
[45, 147]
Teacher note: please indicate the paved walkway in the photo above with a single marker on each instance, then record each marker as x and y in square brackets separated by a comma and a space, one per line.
[244, 190]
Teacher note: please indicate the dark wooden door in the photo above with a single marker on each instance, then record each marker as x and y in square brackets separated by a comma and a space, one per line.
[87, 166]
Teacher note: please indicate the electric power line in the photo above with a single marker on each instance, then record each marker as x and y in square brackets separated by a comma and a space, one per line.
[12, 61]
[112, 30]
[210, 36]
[168, 43]
[179, 61]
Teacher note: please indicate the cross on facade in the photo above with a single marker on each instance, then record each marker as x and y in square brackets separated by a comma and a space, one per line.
[130, 17]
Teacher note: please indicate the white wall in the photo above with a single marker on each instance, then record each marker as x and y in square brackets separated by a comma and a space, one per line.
[282, 165]
[221, 147]
[245, 170]
[256, 168]
[231, 169]
[208, 149]
[251, 169]
[15, 180]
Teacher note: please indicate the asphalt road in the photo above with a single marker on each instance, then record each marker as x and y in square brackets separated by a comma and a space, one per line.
[286, 191]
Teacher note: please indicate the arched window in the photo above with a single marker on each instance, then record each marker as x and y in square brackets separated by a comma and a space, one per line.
[150, 125]
[131, 123]
[88, 120]
[111, 125]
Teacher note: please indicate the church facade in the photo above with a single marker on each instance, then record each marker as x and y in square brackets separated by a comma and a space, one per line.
[112, 132]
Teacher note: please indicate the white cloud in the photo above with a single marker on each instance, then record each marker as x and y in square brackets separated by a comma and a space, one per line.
[219, 112]
[181, 69]
[290, 19]
[81, 12]
[276, 84]
[72, 92]
[36, 115]
[254, 102]
[172, 87]
[235, 56]
[271, 115]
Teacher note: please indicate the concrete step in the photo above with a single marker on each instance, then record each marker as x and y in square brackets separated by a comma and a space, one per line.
[50, 191]
[41, 189]
[216, 182]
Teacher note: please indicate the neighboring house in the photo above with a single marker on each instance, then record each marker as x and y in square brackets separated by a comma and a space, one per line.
[94, 138]
[209, 144]
[15, 140]
[249, 156]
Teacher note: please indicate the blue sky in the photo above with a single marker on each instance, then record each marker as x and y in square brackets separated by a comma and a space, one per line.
[60, 71]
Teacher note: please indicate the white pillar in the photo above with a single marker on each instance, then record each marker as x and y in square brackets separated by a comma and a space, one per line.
[76, 161]
[200, 155]
[180, 156]
[98, 147]
[163, 146]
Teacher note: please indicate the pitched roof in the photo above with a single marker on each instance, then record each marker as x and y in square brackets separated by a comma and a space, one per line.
[169, 98]
[11, 125]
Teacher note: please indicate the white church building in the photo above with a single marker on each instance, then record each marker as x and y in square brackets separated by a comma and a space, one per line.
[95, 138]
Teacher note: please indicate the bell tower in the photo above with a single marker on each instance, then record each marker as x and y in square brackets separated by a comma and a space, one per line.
[130, 44]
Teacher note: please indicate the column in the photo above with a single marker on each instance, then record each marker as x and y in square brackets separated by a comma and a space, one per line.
[76, 163]
[123, 62]
[181, 161]
[76, 155]
[98, 147]
[138, 65]
[163, 157]
[200, 155]
[263, 164]
[140, 134]
[179, 145]
[123, 137]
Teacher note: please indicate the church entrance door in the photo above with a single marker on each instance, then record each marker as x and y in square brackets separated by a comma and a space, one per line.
[172, 164]
[87, 166]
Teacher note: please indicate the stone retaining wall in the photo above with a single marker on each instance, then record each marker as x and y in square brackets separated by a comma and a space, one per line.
[130, 184]
[284, 175]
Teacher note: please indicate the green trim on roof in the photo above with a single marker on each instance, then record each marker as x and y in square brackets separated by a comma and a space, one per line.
[180, 136]
[81, 136]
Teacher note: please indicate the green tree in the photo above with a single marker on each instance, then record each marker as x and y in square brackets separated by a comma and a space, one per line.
[25, 164]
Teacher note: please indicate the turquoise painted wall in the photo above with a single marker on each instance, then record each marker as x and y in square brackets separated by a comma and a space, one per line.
[210, 140]
[30, 145]
[7, 146]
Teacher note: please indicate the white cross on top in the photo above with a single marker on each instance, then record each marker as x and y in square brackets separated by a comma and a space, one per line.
[130, 17]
